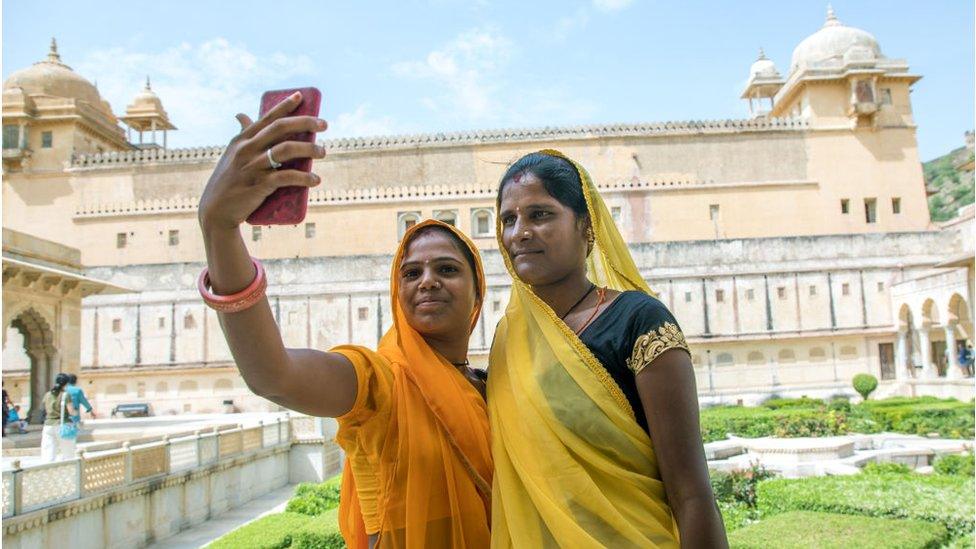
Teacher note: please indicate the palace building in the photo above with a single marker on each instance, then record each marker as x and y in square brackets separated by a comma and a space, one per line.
[795, 247]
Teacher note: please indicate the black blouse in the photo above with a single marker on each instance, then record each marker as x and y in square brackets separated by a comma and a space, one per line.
[634, 330]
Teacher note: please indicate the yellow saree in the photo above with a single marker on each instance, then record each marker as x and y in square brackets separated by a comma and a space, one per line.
[572, 466]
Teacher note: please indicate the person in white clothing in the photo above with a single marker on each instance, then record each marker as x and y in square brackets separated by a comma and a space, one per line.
[58, 410]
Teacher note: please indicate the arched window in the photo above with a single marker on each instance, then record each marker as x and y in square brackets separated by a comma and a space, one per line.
[189, 322]
[116, 389]
[817, 354]
[447, 216]
[787, 355]
[187, 386]
[161, 388]
[756, 357]
[405, 220]
[482, 222]
[223, 385]
[724, 359]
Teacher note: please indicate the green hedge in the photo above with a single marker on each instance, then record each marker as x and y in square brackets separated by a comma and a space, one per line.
[322, 532]
[811, 417]
[736, 515]
[286, 530]
[955, 465]
[828, 531]
[941, 499]
[762, 422]
[270, 532]
[315, 498]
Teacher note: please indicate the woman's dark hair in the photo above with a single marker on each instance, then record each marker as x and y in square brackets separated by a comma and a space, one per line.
[558, 175]
[72, 379]
[59, 382]
[458, 243]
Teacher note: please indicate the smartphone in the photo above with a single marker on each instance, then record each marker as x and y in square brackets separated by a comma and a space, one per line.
[287, 205]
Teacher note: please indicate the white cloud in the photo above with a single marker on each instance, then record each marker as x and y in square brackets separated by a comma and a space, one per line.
[612, 5]
[470, 86]
[201, 86]
[464, 69]
[360, 122]
[567, 25]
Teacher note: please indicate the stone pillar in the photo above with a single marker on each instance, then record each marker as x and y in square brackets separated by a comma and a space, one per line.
[953, 371]
[925, 349]
[902, 360]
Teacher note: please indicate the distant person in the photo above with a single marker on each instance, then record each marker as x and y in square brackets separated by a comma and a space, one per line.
[14, 420]
[969, 360]
[77, 395]
[57, 440]
[6, 410]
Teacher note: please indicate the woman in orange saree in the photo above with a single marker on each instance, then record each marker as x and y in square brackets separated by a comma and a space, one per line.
[412, 416]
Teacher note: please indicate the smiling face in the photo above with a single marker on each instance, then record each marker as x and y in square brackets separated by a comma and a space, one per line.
[437, 286]
[544, 238]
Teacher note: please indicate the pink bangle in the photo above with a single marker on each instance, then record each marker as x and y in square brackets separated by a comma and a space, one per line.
[240, 301]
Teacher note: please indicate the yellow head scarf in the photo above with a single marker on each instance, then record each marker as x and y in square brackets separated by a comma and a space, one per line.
[572, 466]
[433, 466]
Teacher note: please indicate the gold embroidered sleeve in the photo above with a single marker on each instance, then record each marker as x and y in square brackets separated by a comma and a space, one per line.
[650, 346]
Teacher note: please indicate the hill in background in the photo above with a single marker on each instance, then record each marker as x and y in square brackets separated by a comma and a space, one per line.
[950, 177]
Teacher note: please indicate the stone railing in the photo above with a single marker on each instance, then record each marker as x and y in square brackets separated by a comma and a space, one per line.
[102, 468]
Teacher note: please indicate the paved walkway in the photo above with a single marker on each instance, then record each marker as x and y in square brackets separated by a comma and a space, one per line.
[202, 534]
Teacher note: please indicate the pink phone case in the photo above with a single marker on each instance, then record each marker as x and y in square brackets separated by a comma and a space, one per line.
[287, 205]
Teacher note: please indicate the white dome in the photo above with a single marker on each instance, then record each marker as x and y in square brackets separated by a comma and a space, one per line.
[763, 67]
[835, 41]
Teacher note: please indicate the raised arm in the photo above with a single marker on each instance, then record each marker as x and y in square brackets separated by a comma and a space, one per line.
[305, 380]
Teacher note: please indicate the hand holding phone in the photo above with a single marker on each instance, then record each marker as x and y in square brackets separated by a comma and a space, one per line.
[258, 163]
[288, 205]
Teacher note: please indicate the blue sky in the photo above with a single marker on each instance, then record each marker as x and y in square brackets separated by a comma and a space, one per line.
[447, 65]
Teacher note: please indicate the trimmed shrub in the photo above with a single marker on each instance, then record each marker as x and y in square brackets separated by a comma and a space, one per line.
[942, 499]
[829, 531]
[270, 532]
[321, 532]
[886, 468]
[738, 486]
[811, 424]
[736, 515]
[865, 384]
[955, 465]
[776, 403]
[315, 498]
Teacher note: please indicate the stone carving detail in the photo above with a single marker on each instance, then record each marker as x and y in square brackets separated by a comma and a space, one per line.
[251, 439]
[49, 484]
[182, 454]
[102, 472]
[148, 461]
[272, 435]
[208, 449]
[229, 443]
[8, 493]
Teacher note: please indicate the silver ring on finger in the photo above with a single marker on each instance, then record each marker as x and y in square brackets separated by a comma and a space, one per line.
[274, 164]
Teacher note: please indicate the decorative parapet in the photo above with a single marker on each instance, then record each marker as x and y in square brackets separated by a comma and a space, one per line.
[128, 467]
[417, 193]
[451, 139]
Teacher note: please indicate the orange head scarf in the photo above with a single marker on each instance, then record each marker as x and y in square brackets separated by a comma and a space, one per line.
[434, 468]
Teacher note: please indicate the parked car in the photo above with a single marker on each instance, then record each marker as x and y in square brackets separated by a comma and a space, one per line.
[133, 409]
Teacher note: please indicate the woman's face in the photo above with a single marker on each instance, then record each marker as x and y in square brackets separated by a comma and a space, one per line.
[437, 287]
[544, 238]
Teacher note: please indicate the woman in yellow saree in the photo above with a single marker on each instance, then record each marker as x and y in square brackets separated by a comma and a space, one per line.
[591, 392]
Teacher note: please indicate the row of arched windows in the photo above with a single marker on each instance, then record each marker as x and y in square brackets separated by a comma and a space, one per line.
[814, 354]
[482, 221]
[184, 387]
